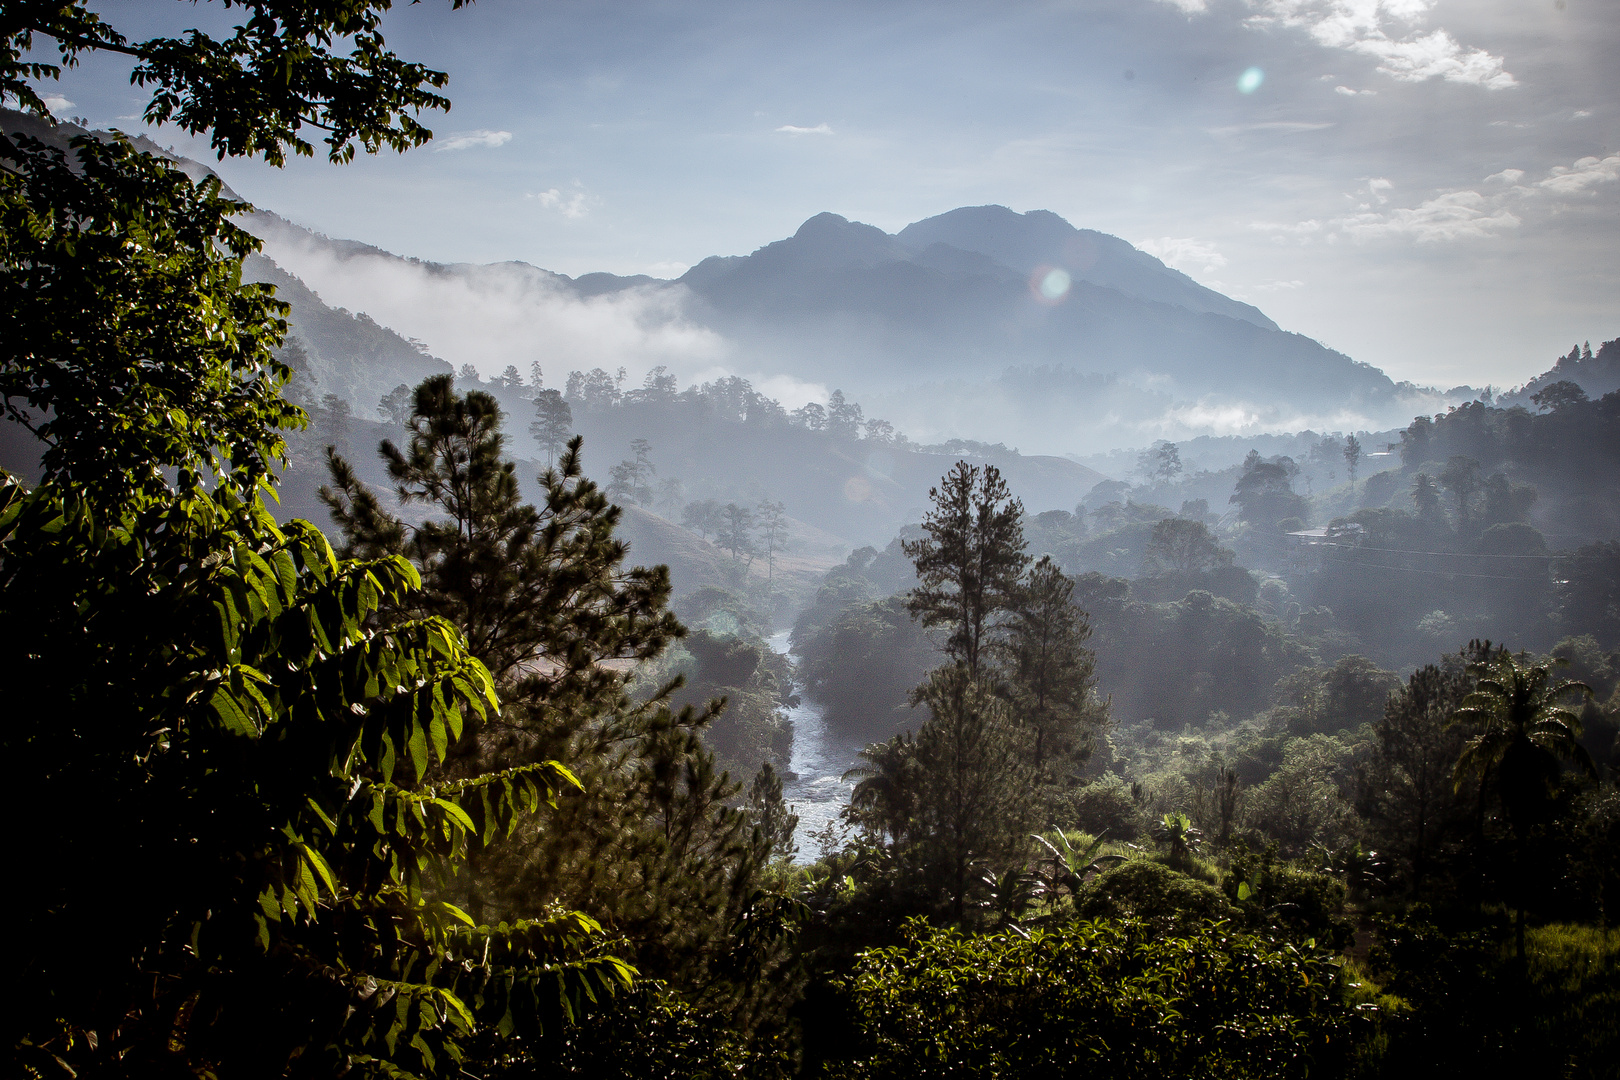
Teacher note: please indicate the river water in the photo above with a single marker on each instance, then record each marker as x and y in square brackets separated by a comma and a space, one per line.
[818, 793]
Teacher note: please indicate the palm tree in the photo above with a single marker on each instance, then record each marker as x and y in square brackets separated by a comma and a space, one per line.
[884, 802]
[1523, 736]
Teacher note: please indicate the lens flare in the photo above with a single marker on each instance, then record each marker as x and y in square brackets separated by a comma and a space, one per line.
[1250, 80]
[1050, 283]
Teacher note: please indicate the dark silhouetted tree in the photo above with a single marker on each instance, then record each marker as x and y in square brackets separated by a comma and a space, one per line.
[1523, 736]
[1405, 788]
[1265, 493]
[1461, 478]
[395, 406]
[1051, 675]
[736, 532]
[1560, 395]
[703, 517]
[552, 424]
[1352, 456]
[1182, 546]
[970, 562]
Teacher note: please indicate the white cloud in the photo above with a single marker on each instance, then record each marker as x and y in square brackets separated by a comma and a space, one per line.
[1284, 126]
[1299, 228]
[1436, 56]
[573, 205]
[794, 129]
[56, 102]
[1191, 7]
[466, 140]
[1581, 114]
[1347, 92]
[1455, 215]
[1462, 214]
[506, 313]
[1585, 173]
[1387, 30]
[1184, 252]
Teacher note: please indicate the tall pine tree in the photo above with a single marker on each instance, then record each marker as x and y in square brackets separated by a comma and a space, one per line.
[970, 562]
[657, 848]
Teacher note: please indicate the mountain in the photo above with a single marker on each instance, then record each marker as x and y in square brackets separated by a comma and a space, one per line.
[1597, 374]
[877, 312]
[1041, 239]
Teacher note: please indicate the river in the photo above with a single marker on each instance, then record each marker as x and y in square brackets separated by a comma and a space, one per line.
[818, 791]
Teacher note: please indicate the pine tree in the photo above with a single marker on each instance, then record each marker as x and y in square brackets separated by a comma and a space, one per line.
[553, 421]
[771, 814]
[1051, 675]
[975, 789]
[736, 532]
[632, 479]
[395, 406]
[771, 520]
[656, 847]
[1404, 787]
[970, 562]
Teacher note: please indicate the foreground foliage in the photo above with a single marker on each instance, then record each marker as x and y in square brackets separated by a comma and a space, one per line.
[1099, 999]
[241, 764]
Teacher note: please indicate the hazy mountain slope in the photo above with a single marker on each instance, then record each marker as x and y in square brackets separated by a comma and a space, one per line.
[1041, 238]
[856, 491]
[344, 354]
[872, 312]
[1597, 375]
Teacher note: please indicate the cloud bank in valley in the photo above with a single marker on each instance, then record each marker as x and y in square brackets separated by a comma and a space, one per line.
[505, 313]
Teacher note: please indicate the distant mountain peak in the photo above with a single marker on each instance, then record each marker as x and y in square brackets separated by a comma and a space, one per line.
[1038, 238]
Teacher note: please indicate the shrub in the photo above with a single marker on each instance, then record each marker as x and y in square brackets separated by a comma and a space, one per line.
[1098, 999]
[1104, 807]
[1154, 893]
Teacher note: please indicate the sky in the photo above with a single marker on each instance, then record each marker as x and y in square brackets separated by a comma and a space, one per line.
[1431, 186]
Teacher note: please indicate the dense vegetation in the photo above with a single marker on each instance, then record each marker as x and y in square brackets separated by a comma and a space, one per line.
[445, 800]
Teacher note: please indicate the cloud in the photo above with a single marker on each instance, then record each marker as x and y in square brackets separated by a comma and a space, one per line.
[794, 129]
[1581, 114]
[1347, 92]
[1299, 228]
[467, 140]
[56, 102]
[1585, 173]
[505, 313]
[1461, 214]
[1281, 286]
[1182, 252]
[574, 205]
[1191, 7]
[1285, 126]
[1385, 29]
[1436, 56]
[1455, 215]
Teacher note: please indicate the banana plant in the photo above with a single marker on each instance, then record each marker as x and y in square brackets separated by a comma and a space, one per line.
[1011, 893]
[1363, 871]
[1066, 867]
[1177, 831]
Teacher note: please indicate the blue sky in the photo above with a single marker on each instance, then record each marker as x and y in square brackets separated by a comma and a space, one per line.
[1432, 186]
